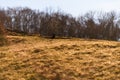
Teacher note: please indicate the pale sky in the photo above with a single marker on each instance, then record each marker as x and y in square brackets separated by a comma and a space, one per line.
[74, 7]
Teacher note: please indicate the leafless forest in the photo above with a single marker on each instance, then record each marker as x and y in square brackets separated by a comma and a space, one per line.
[93, 25]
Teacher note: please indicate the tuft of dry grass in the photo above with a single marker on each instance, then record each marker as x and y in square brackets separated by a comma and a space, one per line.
[35, 58]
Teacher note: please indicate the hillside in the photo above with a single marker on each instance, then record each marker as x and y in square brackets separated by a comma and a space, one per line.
[35, 58]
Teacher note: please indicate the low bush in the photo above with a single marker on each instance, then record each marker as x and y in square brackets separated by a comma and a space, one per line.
[3, 40]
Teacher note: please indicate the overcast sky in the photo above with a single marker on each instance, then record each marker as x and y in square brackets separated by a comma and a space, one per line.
[74, 7]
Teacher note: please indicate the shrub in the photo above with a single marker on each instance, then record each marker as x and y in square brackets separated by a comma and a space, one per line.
[3, 40]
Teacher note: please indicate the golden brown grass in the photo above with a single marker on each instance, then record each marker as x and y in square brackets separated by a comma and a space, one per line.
[35, 58]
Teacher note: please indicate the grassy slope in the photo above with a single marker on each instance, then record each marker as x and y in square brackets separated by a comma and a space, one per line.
[34, 58]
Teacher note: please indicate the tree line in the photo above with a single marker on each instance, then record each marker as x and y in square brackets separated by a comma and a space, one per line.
[93, 25]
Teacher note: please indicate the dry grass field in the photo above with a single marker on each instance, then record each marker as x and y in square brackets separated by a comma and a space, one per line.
[35, 58]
